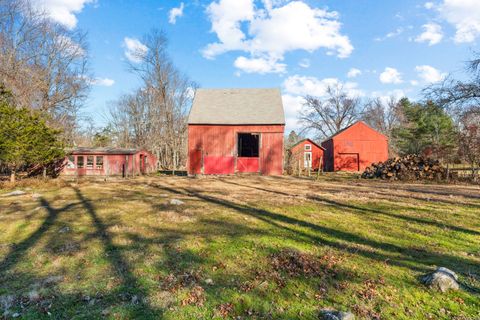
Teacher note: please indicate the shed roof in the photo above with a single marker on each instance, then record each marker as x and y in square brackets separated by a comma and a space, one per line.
[237, 106]
[85, 150]
[307, 139]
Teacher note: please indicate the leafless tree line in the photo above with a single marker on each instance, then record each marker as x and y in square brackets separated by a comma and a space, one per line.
[43, 64]
[154, 116]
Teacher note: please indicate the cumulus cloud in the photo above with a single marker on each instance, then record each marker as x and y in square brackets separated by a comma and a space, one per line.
[391, 75]
[354, 72]
[464, 15]
[104, 82]
[259, 65]
[274, 29]
[432, 33]
[292, 106]
[304, 63]
[304, 85]
[392, 34]
[62, 11]
[429, 74]
[134, 49]
[174, 13]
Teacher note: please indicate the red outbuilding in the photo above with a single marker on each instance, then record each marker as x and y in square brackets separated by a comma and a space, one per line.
[108, 162]
[308, 154]
[236, 131]
[355, 148]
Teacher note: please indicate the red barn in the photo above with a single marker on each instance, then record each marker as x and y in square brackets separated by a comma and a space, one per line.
[355, 148]
[236, 130]
[108, 162]
[308, 153]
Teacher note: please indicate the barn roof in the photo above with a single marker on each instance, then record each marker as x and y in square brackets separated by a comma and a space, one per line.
[237, 106]
[85, 150]
[348, 127]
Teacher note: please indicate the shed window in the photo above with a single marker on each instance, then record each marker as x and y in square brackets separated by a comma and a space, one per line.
[248, 144]
[89, 162]
[80, 162]
[308, 147]
[99, 162]
[71, 162]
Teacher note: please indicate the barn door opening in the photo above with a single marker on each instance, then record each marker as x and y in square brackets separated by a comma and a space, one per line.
[248, 149]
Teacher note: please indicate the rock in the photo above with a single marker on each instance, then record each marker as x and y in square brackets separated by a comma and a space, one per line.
[134, 300]
[64, 230]
[176, 202]
[209, 281]
[336, 315]
[14, 193]
[442, 279]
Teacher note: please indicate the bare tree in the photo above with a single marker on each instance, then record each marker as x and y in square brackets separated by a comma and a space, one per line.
[384, 116]
[44, 64]
[155, 115]
[328, 115]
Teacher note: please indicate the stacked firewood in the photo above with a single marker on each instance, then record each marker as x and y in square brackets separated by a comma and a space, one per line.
[409, 167]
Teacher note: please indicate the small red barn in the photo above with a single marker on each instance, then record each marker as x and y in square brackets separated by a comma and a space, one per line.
[108, 162]
[355, 148]
[236, 130]
[308, 153]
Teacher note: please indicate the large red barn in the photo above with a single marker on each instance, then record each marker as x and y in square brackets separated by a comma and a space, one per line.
[108, 162]
[355, 148]
[236, 130]
[308, 153]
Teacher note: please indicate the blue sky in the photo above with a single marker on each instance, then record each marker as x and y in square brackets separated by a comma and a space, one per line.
[373, 48]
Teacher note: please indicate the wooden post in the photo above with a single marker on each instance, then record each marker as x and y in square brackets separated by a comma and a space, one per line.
[320, 167]
[448, 173]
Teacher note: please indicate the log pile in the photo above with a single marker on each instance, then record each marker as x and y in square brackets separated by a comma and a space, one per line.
[409, 167]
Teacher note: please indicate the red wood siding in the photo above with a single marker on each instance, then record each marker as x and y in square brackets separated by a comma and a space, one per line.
[221, 141]
[113, 164]
[298, 152]
[247, 164]
[355, 148]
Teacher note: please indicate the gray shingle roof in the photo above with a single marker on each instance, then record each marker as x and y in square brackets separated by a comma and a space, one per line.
[237, 106]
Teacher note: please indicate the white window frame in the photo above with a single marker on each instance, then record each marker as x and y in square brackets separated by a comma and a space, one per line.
[306, 163]
[308, 147]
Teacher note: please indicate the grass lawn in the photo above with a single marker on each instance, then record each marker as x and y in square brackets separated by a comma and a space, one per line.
[239, 248]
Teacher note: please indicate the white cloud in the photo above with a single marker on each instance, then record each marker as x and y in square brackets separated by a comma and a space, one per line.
[259, 65]
[304, 63]
[392, 34]
[273, 30]
[464, 15]
[354, 72]
[428, 5]
[391, 75]
[69, 46]
[432, 34]
[303, 85]
[174, 13]
[62, 11]
[104, 82]
[292, 106]
[429, 74]
[134, 49]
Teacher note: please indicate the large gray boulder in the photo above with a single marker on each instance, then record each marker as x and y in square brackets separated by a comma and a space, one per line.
[442, 279]
[336, 315]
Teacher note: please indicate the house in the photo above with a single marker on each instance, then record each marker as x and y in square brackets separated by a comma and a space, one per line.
[236, 131]
[355, 148]
[108, 162]
[307, 154]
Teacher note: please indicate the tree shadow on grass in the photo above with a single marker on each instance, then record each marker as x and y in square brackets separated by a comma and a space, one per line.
[420, 261]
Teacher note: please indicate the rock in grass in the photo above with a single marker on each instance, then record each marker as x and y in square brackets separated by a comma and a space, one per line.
[176, 202]
[14, 193]
[336, 315]
[442, 279]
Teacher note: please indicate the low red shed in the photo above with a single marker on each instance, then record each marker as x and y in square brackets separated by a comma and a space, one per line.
[108, 162]
[236, 130]
[355, 148]
[308, 153]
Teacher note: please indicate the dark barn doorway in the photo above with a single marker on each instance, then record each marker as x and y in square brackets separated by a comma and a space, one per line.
[248, 145]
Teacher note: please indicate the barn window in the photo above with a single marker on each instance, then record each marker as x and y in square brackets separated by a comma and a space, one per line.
[99, 162]
[71, 162]
[80, 160]
[308, 147]
[89, 162]
[248, 144]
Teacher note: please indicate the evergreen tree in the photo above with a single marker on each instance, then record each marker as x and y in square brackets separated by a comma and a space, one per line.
[427, 128]
[25, 138]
